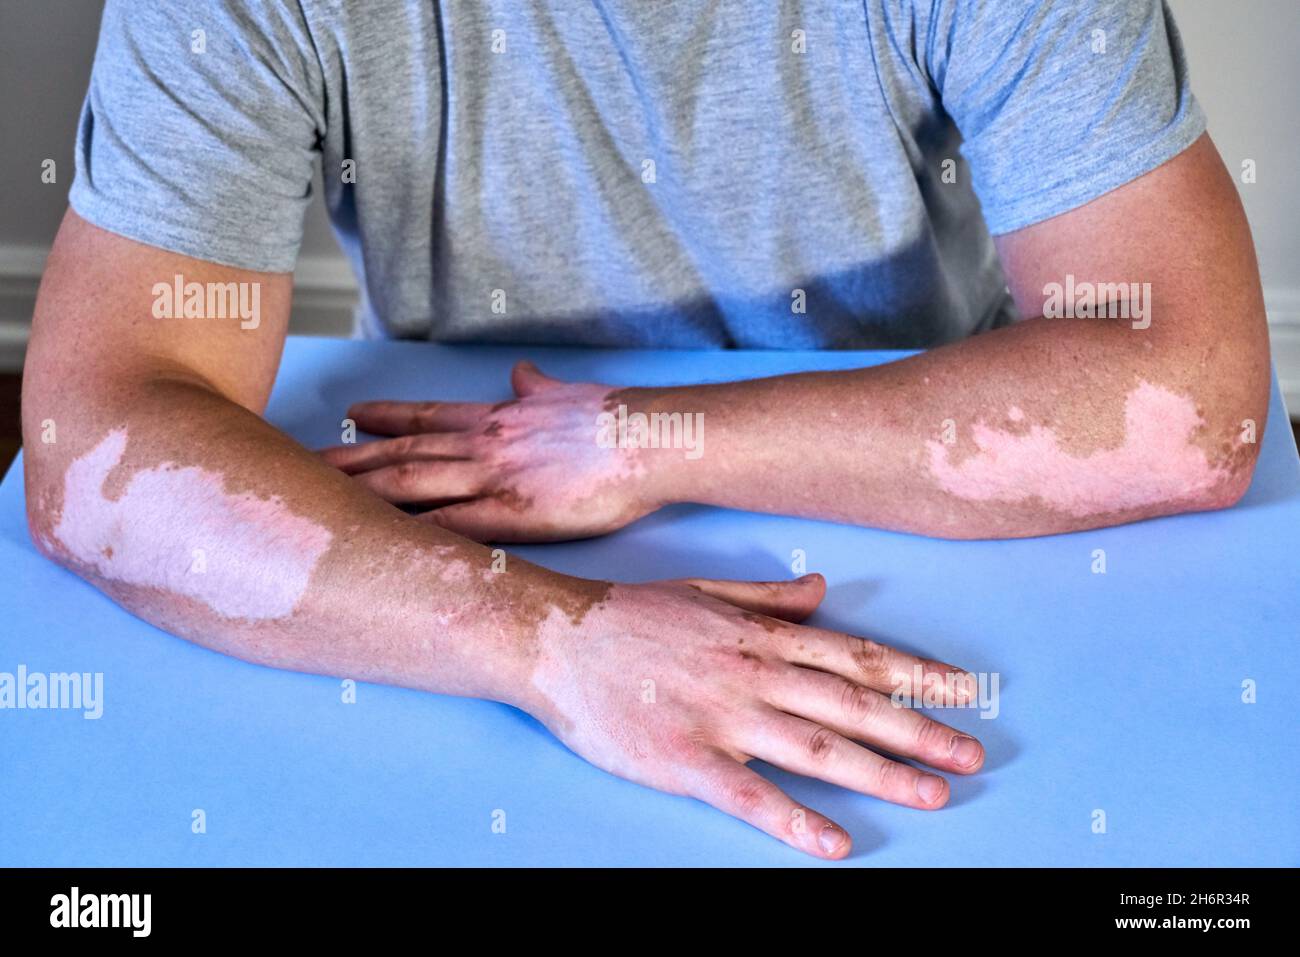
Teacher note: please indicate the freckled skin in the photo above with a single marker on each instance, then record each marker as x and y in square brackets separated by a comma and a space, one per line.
[1052, 415]
[158, 452]
[1130, 450]
[159, 441]
[649, 681]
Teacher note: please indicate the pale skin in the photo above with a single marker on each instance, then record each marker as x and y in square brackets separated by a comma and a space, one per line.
[159, 434]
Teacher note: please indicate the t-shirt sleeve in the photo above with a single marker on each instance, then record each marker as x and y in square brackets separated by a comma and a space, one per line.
[1059, 101]
[200, 129]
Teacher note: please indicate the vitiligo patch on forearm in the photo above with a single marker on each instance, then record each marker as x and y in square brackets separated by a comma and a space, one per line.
[177, 529]
[1030, 461]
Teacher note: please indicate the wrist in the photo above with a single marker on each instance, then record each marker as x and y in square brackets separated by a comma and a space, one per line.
[663, 431]
[536, 617]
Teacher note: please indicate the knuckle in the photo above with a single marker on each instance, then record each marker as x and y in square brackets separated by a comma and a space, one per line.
[405, 446]
[406, 474]
[859, 704]
[870, 658]
[422, 417]
[930, 736]
[688, 745]
[747, 797]
[820, 744]
[886, 776]
[742, 660]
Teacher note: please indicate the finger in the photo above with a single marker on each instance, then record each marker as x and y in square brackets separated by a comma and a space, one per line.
[880, 667]
[790, 601]
[484, 520]
[858, 712]
[804, 747]
[745, 794]
[406, 418]
[367, 456]
[425, 481]
[527, 379]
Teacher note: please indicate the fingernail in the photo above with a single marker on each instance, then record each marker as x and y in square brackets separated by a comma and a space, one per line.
[929, 787]
[831, 838]
[965, 750]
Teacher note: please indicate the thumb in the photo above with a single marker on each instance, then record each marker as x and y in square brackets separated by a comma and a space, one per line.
[790, 601]
[527, 379]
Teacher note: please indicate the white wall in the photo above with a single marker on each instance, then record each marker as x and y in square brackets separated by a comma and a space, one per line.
[1244, 70]
[1246, 73]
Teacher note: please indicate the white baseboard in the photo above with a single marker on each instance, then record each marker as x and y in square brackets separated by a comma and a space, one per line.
[325, 294]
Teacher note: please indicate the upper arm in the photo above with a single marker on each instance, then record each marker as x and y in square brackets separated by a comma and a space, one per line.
[1189, 369]
[1179, 237]
[1089, 156]
[107, 321]
[1180, 228]
[194, 158]
[110, 351]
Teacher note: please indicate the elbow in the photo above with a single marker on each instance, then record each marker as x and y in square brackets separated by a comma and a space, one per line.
[1232, 446]
[41, 520]
[44, 505]
[1212, 464]
[1234, 483]
[1221, 483]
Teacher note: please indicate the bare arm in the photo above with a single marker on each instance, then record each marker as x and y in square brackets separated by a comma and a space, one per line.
[150, 474]
[1057, 423]
[165, 488]
[1050, 425]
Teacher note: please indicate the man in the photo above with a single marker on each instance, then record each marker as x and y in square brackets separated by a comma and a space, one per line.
[818, 176]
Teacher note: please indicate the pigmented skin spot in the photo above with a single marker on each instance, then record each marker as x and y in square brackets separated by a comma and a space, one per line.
[511, 499]
[1158, 462]
[148, 533]
[766, 622]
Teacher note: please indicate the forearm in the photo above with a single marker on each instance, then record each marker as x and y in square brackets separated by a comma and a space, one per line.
[1047, 426]
[196, 515]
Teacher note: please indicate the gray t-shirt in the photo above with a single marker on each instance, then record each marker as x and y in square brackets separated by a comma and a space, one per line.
[816, 174]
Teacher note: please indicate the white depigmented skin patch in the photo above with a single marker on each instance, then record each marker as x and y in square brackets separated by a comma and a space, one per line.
[1157, 449]
[120, 538]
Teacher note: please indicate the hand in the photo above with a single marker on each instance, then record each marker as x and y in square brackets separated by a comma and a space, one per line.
[527, 470]
[677, 685]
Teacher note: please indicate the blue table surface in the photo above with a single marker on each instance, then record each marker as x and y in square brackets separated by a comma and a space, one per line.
[1120, 692]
